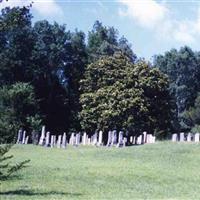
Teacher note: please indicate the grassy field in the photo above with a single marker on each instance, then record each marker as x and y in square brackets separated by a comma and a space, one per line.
[156, 171]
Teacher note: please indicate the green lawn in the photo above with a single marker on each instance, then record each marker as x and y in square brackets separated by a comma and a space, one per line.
[156, 171]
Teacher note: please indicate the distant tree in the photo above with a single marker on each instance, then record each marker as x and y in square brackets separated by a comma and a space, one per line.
[183, 70]
[103, 41]
[117, 94]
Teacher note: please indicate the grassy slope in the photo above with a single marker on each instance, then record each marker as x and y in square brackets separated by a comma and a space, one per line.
[157, 171]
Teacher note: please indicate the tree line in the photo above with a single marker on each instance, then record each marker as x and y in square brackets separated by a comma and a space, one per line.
[53, 76]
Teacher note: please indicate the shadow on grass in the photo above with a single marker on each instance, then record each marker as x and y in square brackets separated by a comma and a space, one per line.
[32, 193]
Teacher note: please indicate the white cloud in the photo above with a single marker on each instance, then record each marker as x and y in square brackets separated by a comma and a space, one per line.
[158, 18]
[45, 8]
[146, 13]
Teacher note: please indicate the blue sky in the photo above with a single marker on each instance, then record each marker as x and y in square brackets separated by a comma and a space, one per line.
[152, 27]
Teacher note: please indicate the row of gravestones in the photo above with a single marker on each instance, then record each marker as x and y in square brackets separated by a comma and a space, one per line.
[182, 137]
[96, 139]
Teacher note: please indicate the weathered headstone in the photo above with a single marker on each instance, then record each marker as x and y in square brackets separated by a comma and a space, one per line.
[174, 137]
[120, 139]
[24, 137]
[20, 136]
[189, 137]
[72, 139]
[139, 139]
[26, 140]
[47, 138]
[134, 140]
[131, 139]
[196, 137]
[77, 142]
[35, 137]
[124, 141]
[64, 141]
[59, 141]
[144, 137]
[42, 138]
[109, 138]
[94, 138]
[114, 137]
[89, 141]
[182, 137]
[100, 139]
[84, 139]
[52, 141]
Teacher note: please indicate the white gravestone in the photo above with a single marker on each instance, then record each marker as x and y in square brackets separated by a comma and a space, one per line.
[182, 137]
[100, 139]
[120, 139]
[144, 137]
[84, 140]
[41, 142]
[24, 137]
[124, 141]
[77, 142]
[174, 137]
[189, 137]
[47, 138]
[196, 137]
[26, 140]
[139, 139]
[109, 138]
[52, 141]
[59, 141]
[64, 141]
[114, 138]
[20, 136]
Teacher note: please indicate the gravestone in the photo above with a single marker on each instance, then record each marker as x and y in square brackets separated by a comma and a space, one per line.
[35, 137]
[94, 138]
[52, 141]
[88, 141]
[114, 138]
[109, 138]
[59, 141]
[64, 141]
[47, 139]
[42, 138]
[100, 139]
[26, 140]
[196, 137]
[72, 139]
[124, 141]
[20, 136]
[131, 139]
[144, 137]
[189, 137]
[120, 139]
[182, 137]
[77, 140]
[134, 140]
[84, 139]
[24, 137]
[139, 139]
[174, 137]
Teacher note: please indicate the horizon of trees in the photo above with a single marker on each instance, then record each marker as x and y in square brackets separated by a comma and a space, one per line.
[52, 76]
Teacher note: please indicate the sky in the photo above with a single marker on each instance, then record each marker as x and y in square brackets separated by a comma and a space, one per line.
[151, 26]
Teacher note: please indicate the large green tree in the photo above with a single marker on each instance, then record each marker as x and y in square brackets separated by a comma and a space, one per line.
[117, 94]
[182, 68]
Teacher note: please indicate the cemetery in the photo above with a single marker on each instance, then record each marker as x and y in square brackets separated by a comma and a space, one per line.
[89, 111]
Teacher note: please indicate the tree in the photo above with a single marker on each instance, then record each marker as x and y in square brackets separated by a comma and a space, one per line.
[183, 70]
[6, 169]
[103, 41]
[17, 103]
[117, 94]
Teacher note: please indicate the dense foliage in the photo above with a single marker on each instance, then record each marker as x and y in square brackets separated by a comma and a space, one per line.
[118, 94]
[183, 70]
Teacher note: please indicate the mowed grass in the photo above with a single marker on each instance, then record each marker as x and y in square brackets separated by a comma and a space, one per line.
[163, 170]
